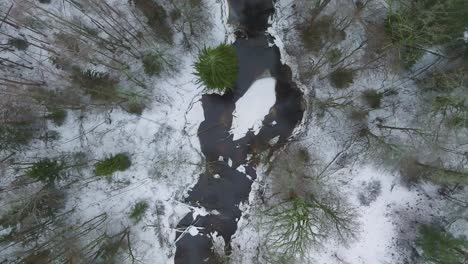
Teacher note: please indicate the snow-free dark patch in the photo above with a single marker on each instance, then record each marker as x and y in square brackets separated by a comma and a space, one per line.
[369, 192]
[341, 78]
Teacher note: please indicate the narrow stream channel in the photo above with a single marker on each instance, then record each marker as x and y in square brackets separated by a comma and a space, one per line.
[224, 193]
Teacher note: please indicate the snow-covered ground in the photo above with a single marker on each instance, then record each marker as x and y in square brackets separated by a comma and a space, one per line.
[166, 159]
[388, 211]
[162, 144]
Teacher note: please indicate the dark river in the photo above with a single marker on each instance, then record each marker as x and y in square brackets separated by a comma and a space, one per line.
[226, 192]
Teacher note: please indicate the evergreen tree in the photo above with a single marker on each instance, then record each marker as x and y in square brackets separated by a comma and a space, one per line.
[441, 247]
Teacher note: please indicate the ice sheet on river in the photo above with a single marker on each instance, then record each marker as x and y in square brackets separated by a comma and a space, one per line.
[253, 107]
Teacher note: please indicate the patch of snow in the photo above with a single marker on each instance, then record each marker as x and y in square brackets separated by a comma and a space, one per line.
[374, 242]
[274, 140]
[241, 169]
[199, 211]
[215, 212]
[218, 244]
[5, 231]
[193, 231]
[253, 107]
[459, 227]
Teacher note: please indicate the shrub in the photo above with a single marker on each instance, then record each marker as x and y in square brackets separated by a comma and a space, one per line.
[441, 247]
[41, 257]
[452, 103]
[358, 114]
[111, 248]
[57, 115]
[371, 190]
[118, 162]
[458, 121]
[334, 56]
[445, 82]
[156, 16]
[175, 14]
[19, 44]
[425, 23]
[341, 78]
[24, 216]
[138, 211]
[413, 171]
[13, 136]
[135, 107]
[152, 64]
[70, 42]
[46, 170]
[217, 68]
[319, 31]
[195, 2]
[49, 136]
[98, 85]
[400, 27]
[303, 155]
[372, 98]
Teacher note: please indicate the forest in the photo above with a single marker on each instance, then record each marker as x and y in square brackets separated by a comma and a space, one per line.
[234, 131]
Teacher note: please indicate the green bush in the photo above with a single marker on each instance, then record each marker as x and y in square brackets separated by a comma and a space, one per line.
[57, 115]
[40, 257]
[440, 247]
[444, 81]
[409, 56]
[19, 44]
[449, 103]
[99, 85]
[138, 211]
[175, 15]
[372, 98]
[152, 64]
[341, 78]
[13, 136]
[69, 41]
[31, 211]
[46, 170]
[358, 115]
[156, 17]
[217, 68]
[118, 162]
[319, 31]
[334, 56]
[458, 121]
[135, 107]
[425, 23]
[303, 155]
[414, 171]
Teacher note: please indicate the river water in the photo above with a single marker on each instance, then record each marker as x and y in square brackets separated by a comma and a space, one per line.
[223, 193]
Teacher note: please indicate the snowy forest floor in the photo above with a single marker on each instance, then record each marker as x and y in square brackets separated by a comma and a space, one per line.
[350, 153]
